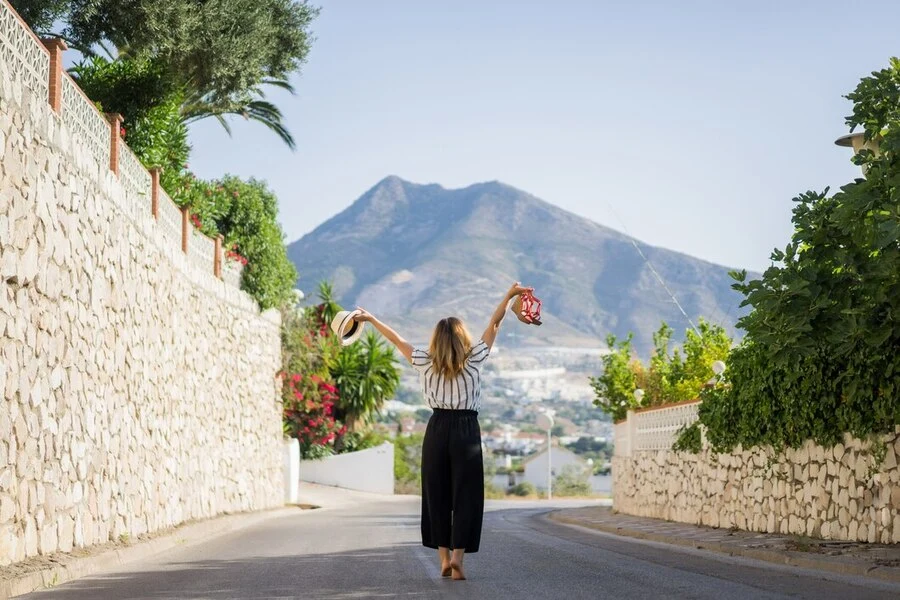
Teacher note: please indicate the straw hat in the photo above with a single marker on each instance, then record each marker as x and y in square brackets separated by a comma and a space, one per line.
[346, 328]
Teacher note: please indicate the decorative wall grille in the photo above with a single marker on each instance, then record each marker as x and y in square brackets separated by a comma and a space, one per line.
[23, 53]
[169, 220]
[85, 124]
[231, 272]
[136, 181]
[201, 251]
[657, 429]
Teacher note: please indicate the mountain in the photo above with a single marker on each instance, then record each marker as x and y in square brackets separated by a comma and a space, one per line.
[413, 254]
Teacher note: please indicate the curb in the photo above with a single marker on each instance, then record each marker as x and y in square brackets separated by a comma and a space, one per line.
[75, 568]
[793, 559]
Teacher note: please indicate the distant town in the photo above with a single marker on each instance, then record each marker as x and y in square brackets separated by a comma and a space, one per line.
[520, 385]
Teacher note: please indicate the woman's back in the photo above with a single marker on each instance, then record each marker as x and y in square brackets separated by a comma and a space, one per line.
[462, 392]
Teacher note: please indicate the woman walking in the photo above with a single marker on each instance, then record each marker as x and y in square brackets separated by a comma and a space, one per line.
[452, 468]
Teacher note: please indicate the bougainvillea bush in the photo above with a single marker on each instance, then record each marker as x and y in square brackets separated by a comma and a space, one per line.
[309, 414]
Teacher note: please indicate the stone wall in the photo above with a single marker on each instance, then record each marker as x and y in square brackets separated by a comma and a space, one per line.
[841, 493]
[137, 390]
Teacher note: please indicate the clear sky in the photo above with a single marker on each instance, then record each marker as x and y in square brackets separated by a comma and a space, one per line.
[697, 121]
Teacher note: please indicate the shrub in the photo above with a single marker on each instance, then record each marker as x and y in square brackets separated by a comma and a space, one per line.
[408, 464]
[523, 489]
[689, 439]
[573, 481]
[820, 355]
[309, 414]
[353, 441]
[150, 104]
[246, 214]
[672, 376]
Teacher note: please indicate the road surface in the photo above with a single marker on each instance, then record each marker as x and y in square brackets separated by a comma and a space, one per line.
[370, 548]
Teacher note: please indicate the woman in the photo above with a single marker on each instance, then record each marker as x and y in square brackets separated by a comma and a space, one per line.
[452, 468]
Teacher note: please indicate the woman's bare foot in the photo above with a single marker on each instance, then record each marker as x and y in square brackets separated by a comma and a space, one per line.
[444, 556]
[456, 565]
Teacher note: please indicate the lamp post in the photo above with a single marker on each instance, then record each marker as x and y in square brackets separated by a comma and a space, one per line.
[638, 395]
[858, 142]
[545, 420]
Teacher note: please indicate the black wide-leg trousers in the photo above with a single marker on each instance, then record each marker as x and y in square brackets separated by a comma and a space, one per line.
[452, 481]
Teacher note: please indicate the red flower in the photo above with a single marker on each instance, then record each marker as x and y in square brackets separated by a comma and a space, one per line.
[295, 378]
[121, 132]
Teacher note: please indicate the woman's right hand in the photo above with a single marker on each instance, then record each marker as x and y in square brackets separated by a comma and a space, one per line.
[517, 289]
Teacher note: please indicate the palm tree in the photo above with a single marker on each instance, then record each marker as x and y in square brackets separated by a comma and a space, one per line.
[252, 106]
[366, 376]
[328, 307]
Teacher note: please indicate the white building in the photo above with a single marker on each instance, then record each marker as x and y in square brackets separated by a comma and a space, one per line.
[536, 465]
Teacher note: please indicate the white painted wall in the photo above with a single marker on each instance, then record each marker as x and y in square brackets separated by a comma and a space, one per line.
[536, 467]
[370, 470]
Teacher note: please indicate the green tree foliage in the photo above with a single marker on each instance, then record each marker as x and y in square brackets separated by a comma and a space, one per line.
[150, 102]
[366, 374]
[573, 481]
[672, 375]
[820, 355]
[614, 388]
[523, 489]
[679, 375]
[224, 52]
[408, 464]
[246, 214]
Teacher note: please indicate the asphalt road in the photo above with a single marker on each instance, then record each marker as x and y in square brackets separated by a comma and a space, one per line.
[371, 549]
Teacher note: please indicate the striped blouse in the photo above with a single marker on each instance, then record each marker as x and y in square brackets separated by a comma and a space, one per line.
[463, 392]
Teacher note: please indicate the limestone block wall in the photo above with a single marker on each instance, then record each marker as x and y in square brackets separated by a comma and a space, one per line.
[137, 390]
[847, 492]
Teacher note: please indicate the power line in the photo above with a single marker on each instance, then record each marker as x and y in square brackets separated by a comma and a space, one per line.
[652, 268]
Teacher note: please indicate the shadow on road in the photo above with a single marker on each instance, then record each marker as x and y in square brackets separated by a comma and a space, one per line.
[370, 573]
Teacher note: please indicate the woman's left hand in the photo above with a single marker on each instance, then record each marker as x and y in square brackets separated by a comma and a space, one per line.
[362, 315]
[517, 290]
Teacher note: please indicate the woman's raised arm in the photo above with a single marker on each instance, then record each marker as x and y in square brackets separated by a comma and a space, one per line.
[493, 328]
[392, 336]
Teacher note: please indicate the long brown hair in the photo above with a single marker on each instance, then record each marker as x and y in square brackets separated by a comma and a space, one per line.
[450, 346]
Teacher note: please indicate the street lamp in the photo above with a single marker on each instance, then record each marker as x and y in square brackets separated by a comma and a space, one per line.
[638, 395]
[858, 142]
[545, 421]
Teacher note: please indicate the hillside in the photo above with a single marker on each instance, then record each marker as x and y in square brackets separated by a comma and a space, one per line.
[415, 253]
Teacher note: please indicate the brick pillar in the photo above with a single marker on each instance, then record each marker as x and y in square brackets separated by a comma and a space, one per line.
[154, 192]
[56, 47]
[217, 261]
[185, 228]
[115, 125]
